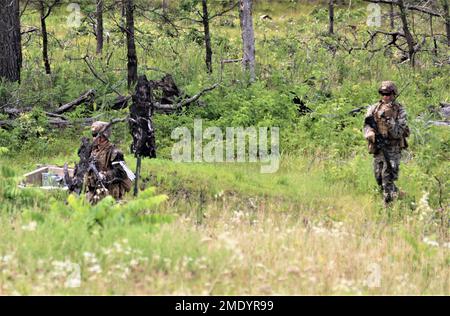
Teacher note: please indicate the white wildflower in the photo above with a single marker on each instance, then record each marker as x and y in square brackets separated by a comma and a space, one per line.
[6, 259]
[430, 242]
[118, 247]
[95, 269]
[31, 226]
[88, 255]
[424, 209]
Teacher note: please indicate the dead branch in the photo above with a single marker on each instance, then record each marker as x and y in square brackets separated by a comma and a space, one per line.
[92, 69]
[224, 11]
[412, 7]
[84, 98]
[30, 30]
[184, 102]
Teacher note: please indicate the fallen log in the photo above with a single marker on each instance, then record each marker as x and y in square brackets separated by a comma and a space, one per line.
[87, 97]
[15, 112]
[439, 123]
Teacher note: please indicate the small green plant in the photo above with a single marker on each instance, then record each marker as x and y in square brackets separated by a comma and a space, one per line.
[108, 212]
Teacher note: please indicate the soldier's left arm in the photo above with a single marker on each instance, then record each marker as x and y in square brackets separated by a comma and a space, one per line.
[116, 172]
[399, 127]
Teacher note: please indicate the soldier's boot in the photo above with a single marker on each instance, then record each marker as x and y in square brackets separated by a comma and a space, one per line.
[380, 186]
[388, 199]
[389, 193]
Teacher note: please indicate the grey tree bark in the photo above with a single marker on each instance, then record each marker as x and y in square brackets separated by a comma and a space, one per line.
[10, 40]
[131, 46]
[248, 37]
[99, 29]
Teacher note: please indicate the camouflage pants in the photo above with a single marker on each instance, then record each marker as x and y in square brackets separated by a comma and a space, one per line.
[386, 175]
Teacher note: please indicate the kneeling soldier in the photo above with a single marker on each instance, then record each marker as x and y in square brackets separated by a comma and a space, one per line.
[107, 174]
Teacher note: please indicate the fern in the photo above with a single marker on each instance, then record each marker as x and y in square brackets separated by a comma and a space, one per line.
[107, 211]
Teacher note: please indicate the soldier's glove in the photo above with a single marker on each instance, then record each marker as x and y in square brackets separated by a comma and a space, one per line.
[370, 136]
[102, 176]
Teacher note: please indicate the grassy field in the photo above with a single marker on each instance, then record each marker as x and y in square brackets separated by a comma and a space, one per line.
[225, 229]
[316, 226]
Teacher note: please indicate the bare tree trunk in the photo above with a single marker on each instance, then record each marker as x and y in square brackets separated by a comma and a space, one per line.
[131, 46]
[205, 21]
[10, 41]
[435, 48]
[248, 37]
[331, 15]
[391, 15]
[409, 38]
[447, 19]
[48, 70]
[99, 30]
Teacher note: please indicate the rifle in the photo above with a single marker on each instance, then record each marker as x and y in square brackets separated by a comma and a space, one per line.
[380, 141]
[94, 169]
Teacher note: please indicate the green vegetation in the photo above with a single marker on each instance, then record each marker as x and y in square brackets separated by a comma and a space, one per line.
[316, 226]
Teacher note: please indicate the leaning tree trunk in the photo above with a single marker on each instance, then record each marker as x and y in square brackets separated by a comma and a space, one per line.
[99, 30]
[248, 37]
[406, 31]
[331, 16]
[205, 21]
[10, 44]
[45, 58]
[131, 46]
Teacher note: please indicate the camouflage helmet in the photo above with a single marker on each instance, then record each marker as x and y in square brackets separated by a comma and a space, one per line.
[99, 127]
[388, 87]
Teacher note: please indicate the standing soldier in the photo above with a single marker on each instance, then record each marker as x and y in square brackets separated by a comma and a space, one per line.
[386, 130]
[107, 173]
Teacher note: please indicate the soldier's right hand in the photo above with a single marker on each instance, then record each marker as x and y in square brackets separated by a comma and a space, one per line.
[102, 176]
[370, 136]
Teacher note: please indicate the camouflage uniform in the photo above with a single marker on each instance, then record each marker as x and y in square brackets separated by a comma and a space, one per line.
[106, 156]
[392, 126]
